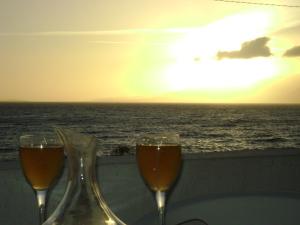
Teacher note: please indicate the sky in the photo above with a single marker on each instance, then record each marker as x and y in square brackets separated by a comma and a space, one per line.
[192, 51]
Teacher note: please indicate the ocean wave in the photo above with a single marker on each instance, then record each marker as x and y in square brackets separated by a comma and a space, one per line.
[201, 127]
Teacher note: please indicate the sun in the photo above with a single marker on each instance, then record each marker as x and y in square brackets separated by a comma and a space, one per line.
[196, 66]
[219, 75]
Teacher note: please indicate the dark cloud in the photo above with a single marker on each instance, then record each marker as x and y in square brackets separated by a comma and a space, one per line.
[293, 52]
[289, 30]
[250, 49]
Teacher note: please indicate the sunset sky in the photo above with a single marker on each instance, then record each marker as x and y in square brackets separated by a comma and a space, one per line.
[200, 51]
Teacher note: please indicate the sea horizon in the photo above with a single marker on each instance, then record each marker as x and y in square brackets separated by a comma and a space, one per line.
[146, 102]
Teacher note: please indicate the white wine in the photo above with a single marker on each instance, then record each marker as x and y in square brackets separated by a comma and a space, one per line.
[42, 165]
[159, 165]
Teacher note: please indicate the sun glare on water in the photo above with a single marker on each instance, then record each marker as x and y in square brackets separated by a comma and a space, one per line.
[196, 66]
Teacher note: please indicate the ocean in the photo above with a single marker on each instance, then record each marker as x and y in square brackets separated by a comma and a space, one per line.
[202, 127]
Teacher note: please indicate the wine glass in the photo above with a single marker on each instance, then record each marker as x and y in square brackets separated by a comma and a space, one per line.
[42, 158]
[159, 161]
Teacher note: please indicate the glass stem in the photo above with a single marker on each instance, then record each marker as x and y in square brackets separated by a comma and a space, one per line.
[41, 199]
[161, 201]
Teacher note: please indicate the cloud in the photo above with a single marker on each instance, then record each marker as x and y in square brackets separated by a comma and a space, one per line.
[293, 52]
[99, 32]
[250, 49]
[289, 30]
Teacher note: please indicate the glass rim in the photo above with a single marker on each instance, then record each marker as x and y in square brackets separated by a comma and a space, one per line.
[160, 138]
[157, 134]
[40, 140]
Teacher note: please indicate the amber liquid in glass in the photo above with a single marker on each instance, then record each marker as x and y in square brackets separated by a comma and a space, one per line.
[42, 165]
[159, 165]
